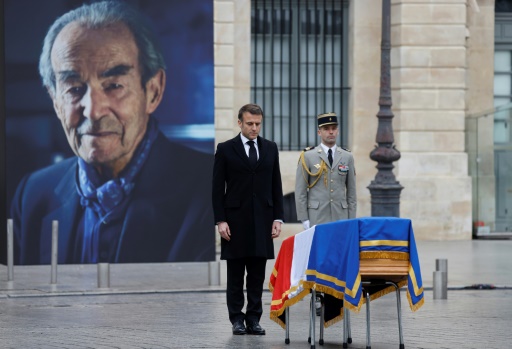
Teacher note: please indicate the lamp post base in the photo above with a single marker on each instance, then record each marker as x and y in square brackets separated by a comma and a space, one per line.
[385, 199]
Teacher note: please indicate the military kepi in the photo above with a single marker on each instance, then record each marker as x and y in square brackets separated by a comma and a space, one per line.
[327, 119]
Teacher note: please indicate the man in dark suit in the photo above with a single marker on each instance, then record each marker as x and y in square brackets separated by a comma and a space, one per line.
[128, 195]
[247, 200]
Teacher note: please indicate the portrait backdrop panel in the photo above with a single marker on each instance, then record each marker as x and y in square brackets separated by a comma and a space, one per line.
[167, 215]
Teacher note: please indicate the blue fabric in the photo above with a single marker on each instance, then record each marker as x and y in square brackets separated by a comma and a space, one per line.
[100, 243]
[414, 282]
[381, 229]
[334, 257]
[104, 201]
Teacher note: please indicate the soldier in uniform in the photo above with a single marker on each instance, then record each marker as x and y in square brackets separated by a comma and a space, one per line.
[325, 184]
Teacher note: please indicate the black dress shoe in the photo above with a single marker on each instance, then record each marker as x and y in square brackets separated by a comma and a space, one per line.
[239, 328]
[253, 327]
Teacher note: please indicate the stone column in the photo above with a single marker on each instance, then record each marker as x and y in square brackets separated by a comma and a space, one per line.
[429, 63]
[232, 47]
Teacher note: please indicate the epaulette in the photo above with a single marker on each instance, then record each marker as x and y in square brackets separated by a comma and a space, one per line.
[308, 148]
[346, 149]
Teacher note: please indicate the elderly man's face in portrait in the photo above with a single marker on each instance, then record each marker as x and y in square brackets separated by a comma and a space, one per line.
[99, 96]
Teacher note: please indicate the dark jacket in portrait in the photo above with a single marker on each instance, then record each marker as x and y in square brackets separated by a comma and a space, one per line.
[167, 216]
[248, 199]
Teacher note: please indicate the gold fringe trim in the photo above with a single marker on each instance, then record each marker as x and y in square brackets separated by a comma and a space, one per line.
[417, 290]
[335, 320]
[322, 169]
[326, 277]
[361, 301]
[337, 294]
[399, 243]
[401, 256]
[352, 307]
[334, 293]
[329, 291]
[277, 320]
[388, 290]
[287, 293]
[416, 306]
[308, 285]
[351, 292]
[382, 292]
[274, 314]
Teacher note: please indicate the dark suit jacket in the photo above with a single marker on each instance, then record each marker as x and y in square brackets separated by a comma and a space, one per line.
[168, 217]
[248, 199]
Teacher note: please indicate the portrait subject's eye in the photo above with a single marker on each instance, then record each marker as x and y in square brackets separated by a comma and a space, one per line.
[76, 91]
[113, 86]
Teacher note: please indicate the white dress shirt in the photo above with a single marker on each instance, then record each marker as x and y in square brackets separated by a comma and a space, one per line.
[326, 149]
[246, 146]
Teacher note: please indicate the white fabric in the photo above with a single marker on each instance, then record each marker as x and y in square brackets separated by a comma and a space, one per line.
[326, 148]
[247, 146]
[301, 248]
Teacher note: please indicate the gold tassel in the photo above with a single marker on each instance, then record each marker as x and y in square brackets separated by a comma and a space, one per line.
[352, 307]
[308, 285]
[385, 291]
[334, 321]
[274, 314]
[416, 306]
[329, 291]
[401, 256]
[323, 168]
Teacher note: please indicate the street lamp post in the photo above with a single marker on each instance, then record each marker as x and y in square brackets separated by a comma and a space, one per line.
[385, 189]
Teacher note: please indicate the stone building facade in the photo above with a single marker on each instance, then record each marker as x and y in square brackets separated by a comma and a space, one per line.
[441, 75]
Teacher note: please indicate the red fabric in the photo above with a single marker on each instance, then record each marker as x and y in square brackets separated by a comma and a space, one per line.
[282, 267]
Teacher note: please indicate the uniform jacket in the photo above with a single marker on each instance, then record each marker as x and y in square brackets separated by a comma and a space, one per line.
[334, 195]
[168, 217]
[248, 199]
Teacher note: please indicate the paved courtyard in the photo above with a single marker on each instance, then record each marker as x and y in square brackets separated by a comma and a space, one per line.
[468, 319]
[172, 306]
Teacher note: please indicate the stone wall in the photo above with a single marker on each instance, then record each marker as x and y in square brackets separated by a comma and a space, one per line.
[441, 62]
[429, 91]
[232, 47]
[364, 77]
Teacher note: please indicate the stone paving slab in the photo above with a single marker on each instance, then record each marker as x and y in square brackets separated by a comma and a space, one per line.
[469, 262]
[467, 319]
[172, 305]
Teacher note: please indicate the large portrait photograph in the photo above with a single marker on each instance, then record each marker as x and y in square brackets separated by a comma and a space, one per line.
[109, 113]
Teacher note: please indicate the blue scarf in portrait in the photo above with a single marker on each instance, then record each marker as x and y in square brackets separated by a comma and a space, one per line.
[104, 201]
[105, 197]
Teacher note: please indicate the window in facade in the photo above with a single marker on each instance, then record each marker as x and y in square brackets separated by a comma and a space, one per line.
[503, 6]
[502, 94]
[502, 135]
[298, 69]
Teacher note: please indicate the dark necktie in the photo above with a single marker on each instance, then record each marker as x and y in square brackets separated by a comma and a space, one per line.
[329, 156]
[253, 157]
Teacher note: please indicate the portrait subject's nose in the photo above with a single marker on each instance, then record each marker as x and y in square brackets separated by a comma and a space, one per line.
[95, 103]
